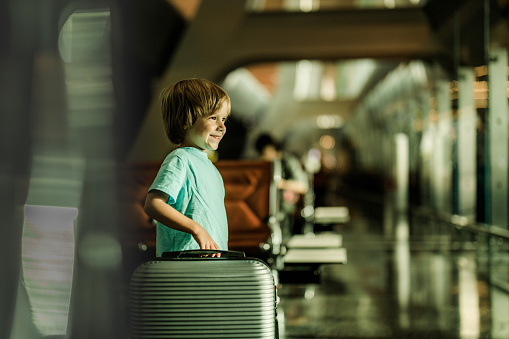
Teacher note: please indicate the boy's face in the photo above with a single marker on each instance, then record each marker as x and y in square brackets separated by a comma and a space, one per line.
[207, 132]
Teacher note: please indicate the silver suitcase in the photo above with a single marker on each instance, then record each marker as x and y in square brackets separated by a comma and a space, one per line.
[187, 295]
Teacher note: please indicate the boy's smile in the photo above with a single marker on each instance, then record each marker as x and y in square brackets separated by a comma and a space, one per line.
[207, 132]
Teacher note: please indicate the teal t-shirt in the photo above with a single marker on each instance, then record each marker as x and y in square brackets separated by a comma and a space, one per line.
[196, 189]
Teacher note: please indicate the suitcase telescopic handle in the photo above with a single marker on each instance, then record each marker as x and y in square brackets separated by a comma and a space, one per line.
[201, 253]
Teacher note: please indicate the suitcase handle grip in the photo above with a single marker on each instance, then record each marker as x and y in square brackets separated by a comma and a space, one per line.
[200, 253]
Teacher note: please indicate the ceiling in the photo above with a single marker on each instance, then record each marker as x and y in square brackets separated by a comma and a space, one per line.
[292, 90]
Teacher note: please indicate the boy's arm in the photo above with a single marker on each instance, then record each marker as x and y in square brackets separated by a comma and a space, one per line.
[157, 208]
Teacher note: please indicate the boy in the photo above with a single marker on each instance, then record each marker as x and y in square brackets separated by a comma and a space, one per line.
[187, 195]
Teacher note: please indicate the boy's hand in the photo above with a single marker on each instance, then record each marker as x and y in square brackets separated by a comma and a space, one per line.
[206, 242]
[157, 208]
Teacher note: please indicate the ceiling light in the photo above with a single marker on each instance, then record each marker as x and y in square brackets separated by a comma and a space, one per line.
[327, 142]
[390, 3]
[324, 121]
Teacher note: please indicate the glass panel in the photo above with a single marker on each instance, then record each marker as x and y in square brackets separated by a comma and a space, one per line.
[497, 129]
[466, 144]
[442, 151]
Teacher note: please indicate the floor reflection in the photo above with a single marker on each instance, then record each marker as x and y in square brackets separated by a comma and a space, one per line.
[394, 287]
[468, 297]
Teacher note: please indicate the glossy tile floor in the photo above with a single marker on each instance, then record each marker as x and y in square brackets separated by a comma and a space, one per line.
[393, 286]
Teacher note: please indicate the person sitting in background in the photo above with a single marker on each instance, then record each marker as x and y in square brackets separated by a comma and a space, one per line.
[294, 181]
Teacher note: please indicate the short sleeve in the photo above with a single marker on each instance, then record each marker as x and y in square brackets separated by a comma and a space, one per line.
[171, 177]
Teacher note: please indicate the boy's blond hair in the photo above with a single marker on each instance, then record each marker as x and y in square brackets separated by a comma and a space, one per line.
[186, 100]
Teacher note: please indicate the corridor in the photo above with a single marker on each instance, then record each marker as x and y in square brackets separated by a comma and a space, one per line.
[394, 286]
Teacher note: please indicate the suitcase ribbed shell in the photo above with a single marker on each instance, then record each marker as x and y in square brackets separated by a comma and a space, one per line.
[205, 298]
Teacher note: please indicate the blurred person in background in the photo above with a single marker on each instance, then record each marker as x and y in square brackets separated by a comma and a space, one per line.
[294, 181]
